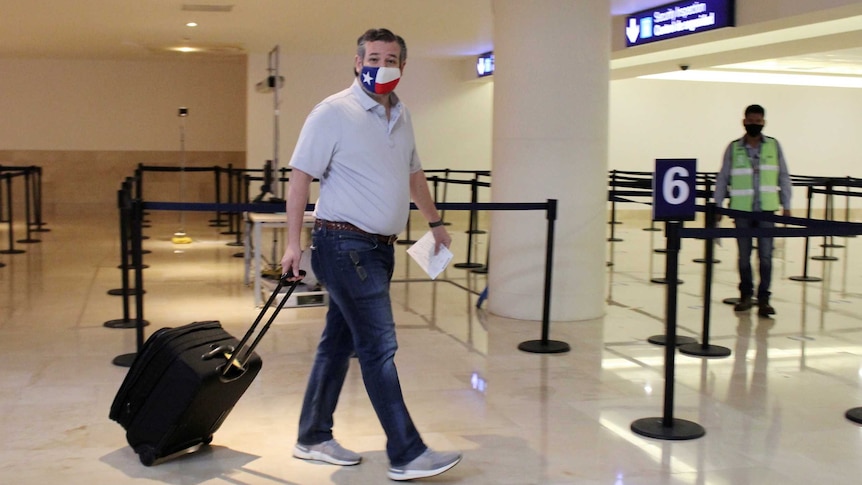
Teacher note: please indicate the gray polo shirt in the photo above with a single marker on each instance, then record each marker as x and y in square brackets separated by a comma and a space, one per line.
[363, 161]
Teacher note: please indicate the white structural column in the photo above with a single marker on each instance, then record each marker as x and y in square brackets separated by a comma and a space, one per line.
[550, 134]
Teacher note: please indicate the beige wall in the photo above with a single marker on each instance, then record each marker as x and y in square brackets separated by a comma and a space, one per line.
[89, 123]
[451, 109]
[676, 119]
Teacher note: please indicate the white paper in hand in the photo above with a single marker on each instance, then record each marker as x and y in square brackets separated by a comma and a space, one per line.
[423, 253]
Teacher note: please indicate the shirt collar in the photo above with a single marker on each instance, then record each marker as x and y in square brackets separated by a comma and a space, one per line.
[367, 102]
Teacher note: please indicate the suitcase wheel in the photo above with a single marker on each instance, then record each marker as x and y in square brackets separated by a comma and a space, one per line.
[207, 440]
[147, 454]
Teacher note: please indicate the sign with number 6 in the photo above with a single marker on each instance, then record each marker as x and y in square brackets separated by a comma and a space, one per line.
[674, 189]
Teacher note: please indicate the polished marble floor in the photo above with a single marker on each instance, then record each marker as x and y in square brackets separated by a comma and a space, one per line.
[773, 411]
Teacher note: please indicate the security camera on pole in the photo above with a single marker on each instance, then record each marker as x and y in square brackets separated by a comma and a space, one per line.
[180, 237]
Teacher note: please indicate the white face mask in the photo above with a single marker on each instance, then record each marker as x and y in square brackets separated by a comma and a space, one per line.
[379, 80]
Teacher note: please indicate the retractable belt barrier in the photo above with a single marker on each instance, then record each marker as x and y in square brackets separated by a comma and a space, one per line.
[667, 427]
[32, 181]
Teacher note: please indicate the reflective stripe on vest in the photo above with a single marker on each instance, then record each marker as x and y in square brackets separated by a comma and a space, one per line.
[742, 177]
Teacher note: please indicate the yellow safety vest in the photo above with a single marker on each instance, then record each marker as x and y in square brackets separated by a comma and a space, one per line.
[742, 187]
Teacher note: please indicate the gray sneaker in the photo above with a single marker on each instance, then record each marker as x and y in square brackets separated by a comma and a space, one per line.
[428, 464]
[328, 451]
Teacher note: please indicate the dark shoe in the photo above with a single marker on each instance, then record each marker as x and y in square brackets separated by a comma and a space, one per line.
[764, 309]
[743, 305]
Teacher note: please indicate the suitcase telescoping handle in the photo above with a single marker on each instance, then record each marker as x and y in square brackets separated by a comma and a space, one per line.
[235, 366]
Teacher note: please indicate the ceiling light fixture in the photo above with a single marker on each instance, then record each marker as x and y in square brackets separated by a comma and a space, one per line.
[192, 24]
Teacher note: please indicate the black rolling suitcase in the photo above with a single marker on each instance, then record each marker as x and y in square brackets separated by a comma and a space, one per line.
[185, 381]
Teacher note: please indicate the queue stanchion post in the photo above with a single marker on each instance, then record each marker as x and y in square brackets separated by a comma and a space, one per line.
[674, 194]
[827, 215]
[613, 192]
[37, 200]
[469, 264]
[805, 278]
[667, 427]
[706, 223]
[545, 345]
[847, 201]
[704, 348]
[125, 291]
[219, 220]
[136, 210]
[10, 219]
[662, 280]
[28, 213]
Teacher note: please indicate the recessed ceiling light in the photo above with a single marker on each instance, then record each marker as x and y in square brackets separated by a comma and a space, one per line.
[192, 24]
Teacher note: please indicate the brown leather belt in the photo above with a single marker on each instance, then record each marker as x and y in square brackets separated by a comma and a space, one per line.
[346, 226]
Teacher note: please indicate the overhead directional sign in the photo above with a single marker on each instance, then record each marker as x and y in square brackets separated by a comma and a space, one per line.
[485, 64]
[678, 19]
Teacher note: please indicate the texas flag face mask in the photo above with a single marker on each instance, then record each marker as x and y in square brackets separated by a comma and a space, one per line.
[380, 80]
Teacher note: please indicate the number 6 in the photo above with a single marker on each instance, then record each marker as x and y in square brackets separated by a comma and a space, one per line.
[670, 183]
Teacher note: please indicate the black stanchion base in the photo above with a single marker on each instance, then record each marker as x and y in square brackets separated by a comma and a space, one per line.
[609, 263]
[805, 279]
[405, 241]
[544, 346]
[124, 360]
[680, 340]
[652, 229]
[700, 350]
[239, 255]
[663, 281]
[123, 323]
[703, 260]
[614, 222]
[679, 429]
[122, 292]
[235, 244]
[481, 270]
[476, 231]
[2, 265]
[854, 415]
[218, 224]
[467, 265]
[12, 251]
[837, 246]
[41, 229]
[614, 239]
[824, 258]
[229, 233]
[734, 301]
[660, 251]
[29, 241]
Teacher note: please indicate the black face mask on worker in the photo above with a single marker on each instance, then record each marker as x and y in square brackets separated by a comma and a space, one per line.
[753, 130]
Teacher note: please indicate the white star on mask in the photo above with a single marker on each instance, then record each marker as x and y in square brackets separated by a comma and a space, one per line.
[366, 78]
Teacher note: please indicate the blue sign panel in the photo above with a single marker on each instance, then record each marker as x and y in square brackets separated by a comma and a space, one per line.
[678, 19]
[674, 189]
[485, 64]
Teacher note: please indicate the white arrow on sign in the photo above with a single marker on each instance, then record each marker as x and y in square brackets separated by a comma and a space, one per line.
[633, 31]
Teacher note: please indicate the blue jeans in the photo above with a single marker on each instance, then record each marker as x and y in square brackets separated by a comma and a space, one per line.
[764, 254]
[356, 270]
